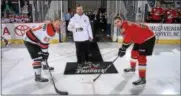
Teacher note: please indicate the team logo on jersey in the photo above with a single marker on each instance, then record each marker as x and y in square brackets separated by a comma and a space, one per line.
[46, 39]
[85, 21]
[20, 30]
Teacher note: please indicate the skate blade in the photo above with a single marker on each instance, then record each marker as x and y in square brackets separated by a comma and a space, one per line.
[47, 70]
[139, 86]
[41, 83]
[129, 72]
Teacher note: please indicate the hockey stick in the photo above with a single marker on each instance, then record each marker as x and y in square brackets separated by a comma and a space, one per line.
[105, 69]
[57, 91]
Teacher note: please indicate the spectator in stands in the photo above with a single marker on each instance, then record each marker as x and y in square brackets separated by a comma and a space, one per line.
[131, 14]
[104, 21]
[96, 24]
[67, 19]
[157, 13]
[109, 20]
[166, 12]
[24, 9]
[72, 14]
[92, 16]
[18, 19]
[170, 15]
[93, 19]
[178, 18]
[3, 19]
[11, 16]
[7, 7]
[89, 15]
[6, 19]
[26, 19]
[101, 22]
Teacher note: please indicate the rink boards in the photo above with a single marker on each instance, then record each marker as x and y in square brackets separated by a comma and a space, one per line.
[165, 33]
[15, 32]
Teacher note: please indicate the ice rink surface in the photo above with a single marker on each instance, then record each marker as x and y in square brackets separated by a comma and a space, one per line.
[163, 72]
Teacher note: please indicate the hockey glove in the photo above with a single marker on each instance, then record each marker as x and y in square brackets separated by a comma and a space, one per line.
[45, 55]
[122, 52]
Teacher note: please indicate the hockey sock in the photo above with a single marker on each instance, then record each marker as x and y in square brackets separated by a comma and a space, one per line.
[37, 67]
[134, 56]
[133, 63]
[43, 63]
[142, 66]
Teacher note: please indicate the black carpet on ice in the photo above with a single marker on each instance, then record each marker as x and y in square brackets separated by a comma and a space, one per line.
[95, 57]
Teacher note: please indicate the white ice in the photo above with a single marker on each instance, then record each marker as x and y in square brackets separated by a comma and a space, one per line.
[163, 72]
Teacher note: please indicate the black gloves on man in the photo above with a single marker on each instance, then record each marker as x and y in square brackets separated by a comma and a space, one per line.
[45, 56]
[122, 50]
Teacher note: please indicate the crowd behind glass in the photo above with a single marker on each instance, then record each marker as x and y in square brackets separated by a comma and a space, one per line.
[10, 13]
[161, 13]
[164, 13]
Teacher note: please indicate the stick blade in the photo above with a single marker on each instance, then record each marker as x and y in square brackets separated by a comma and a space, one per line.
[94, 80]
[61, 92]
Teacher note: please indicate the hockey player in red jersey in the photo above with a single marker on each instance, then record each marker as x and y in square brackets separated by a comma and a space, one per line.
[37, 41]
[143, 39]
[170, 14]
[157, 13]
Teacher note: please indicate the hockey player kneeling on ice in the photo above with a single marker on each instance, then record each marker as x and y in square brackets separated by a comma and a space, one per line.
[144, 41]
[37, 41]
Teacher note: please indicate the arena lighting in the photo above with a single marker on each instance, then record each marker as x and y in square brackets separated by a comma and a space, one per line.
[169, 92]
